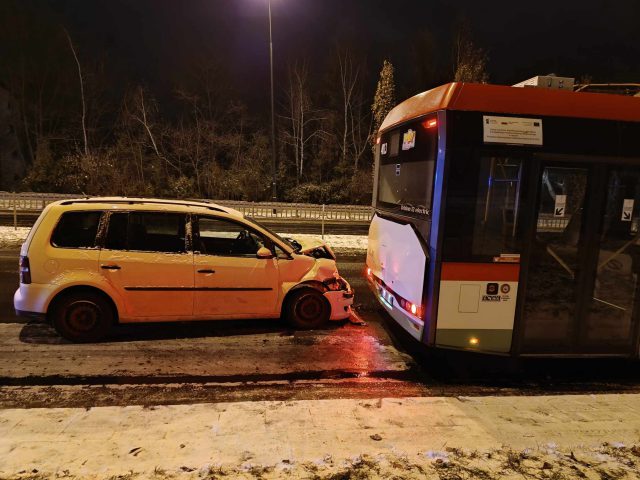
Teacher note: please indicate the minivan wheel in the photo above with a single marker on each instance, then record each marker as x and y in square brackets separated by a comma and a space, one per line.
[307, 309]
[83, 317]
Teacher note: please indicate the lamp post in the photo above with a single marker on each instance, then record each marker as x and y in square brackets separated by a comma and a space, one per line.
[273, 117]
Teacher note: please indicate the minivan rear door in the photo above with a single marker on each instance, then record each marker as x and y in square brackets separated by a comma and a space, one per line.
[145, 258]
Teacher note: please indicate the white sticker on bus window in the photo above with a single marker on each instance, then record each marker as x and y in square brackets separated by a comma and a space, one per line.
[512, 130]
[383, 149]
[409, 140]
[560, 207]
[627, 209]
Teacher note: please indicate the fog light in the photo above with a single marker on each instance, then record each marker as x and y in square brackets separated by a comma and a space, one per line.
[474, 341]
[368, 272]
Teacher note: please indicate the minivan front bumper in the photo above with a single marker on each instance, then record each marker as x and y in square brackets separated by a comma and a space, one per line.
[340, 301]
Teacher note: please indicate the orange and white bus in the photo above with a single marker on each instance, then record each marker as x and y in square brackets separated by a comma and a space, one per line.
[507, 220]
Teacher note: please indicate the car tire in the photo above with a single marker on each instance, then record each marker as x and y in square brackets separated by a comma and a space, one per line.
[307, 309]
[83, 317]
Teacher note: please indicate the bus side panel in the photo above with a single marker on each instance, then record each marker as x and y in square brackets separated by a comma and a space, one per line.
[397, 261]
[477, 305]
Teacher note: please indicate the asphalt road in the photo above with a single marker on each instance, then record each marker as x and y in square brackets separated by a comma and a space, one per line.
[190, 362]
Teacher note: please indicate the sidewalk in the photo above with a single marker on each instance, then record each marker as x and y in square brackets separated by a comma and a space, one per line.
[571, 436]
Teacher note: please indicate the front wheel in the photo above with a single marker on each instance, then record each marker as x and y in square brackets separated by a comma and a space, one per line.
[82, 317]
[307, 309]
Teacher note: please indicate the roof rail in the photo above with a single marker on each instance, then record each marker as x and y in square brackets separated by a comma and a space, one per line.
[134, 201]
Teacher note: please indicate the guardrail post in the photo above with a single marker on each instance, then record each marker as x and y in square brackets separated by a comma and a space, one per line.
[323, 221]
[15, 214]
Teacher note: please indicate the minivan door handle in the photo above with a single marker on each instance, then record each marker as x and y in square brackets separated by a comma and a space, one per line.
[206, 270]
[110, 267]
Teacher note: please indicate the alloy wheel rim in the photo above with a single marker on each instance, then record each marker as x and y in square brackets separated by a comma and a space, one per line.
[82, 316]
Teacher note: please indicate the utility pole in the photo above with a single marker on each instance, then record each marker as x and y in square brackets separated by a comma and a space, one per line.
[274, 196]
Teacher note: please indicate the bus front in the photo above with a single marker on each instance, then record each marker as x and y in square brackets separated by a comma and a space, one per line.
[399, 236]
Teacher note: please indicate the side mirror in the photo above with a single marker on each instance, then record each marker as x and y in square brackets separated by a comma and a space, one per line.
[264, 252]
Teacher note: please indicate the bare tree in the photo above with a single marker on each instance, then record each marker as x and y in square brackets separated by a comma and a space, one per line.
[356, 124]
[84, 105]
[303, 121]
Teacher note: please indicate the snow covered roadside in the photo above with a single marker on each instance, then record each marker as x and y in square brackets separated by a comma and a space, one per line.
[339, 243]
[13, 238]
[557, 436]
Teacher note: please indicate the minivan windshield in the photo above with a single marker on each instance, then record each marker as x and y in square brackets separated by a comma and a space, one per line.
[264, 227]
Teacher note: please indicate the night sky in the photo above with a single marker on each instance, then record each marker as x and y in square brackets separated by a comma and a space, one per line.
[152, 41]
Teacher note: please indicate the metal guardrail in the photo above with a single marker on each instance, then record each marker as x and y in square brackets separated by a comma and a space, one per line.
[32, 203]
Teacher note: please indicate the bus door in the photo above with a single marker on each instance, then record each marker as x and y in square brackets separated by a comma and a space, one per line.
[481, 249]
[584, 260]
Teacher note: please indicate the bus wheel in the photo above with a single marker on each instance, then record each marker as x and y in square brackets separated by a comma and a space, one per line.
[307, 309]
[82, 317]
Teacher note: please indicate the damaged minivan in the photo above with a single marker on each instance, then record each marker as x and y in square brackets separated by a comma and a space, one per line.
[90, 263]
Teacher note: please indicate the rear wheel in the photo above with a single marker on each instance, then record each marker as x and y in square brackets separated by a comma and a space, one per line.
[307, 309]
[83, 317]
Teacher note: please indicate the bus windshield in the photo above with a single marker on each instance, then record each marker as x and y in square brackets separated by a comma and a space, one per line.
[405, 174]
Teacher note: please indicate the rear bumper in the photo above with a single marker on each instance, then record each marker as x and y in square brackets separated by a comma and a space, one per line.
[33, 315]
[32, 298]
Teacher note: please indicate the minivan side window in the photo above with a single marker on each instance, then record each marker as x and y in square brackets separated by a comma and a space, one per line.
[221, 237]
[76, 230]
[146, 232]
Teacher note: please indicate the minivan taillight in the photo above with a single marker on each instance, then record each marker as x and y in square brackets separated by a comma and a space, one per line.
[25, 270]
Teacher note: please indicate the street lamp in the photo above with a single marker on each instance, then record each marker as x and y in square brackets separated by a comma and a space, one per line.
[273, 116]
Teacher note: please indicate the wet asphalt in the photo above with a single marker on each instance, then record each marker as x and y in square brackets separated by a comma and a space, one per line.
[193, 362]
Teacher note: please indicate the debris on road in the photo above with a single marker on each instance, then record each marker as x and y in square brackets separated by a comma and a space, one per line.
[356, 319]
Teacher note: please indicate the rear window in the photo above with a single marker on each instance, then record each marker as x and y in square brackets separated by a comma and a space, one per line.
[76, 230]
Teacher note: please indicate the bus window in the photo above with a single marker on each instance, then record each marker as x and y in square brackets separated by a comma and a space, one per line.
[484, 208]
[405, 175]
[497, 206]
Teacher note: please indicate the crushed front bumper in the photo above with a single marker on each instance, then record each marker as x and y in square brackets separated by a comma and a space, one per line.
[340, 301]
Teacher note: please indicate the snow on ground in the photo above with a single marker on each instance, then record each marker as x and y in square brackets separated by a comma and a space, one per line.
[13, 238]
[336, 242]
[558, 437]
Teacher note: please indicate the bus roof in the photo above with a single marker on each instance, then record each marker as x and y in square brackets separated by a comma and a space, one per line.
[476, 97]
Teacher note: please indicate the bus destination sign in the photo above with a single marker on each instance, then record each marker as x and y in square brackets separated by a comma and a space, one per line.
[512, 130]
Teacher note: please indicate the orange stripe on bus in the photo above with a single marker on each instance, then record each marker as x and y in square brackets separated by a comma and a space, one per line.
[500, 272]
